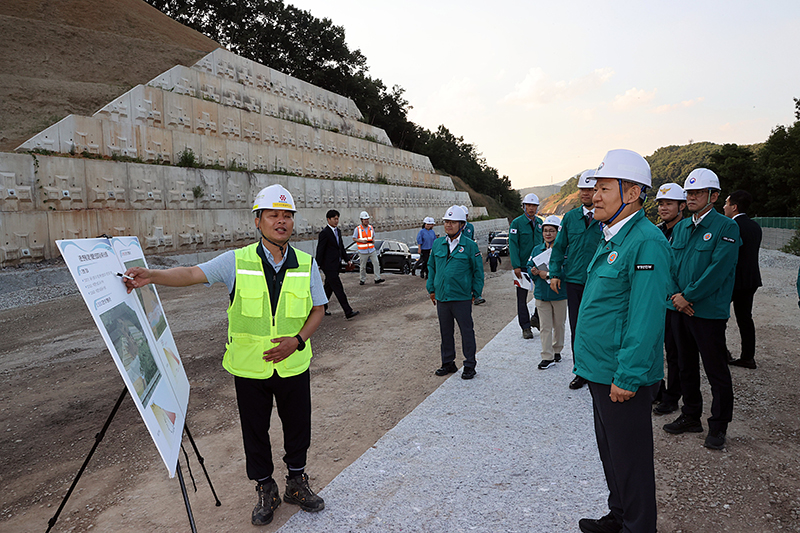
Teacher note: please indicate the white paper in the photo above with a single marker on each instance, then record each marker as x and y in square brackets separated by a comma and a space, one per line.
[543, 260]
[524, 282]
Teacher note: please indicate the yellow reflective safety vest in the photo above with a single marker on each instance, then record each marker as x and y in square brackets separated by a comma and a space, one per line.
[251, 324]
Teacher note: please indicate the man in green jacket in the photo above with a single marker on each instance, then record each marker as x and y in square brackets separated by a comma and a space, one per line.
[455, 280]
[619, 337]
[578, 239]
[706, 248]
[524, 233]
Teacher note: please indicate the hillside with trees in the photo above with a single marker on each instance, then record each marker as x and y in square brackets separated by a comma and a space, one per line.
[295, 42]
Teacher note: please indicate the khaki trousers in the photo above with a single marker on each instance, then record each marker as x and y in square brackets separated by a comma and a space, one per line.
[552, 318]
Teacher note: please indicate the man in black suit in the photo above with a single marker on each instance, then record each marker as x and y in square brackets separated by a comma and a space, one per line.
[330, 250]
[748, 276]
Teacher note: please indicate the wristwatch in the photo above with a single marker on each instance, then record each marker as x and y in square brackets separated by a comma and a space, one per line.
[301, 344]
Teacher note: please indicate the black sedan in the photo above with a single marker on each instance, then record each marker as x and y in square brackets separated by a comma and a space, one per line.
[392, 255]
[500, 244]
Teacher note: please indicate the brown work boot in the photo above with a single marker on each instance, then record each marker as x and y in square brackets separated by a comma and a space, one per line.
[299, 493]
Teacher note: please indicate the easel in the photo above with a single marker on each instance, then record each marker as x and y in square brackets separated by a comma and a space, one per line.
[99, 437]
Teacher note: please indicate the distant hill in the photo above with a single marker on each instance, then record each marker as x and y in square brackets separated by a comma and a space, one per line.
[667, 164]
[542, 191]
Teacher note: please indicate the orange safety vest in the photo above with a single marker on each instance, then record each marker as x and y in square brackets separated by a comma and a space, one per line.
[365, 234]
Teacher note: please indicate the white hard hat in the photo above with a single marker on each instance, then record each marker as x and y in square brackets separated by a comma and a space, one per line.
[428, 220]
[625, 165]
[671, 191]
[454, 212]
[701, 178]
[274, 197]
[466, 210]
[363, 215]
[552, 220]
[530, 198]
[587, 181]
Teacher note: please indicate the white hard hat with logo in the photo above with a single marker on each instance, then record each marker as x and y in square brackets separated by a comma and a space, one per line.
[274, 197]
[552, 220]
[587, 181]
[454, 212]
[700, 179]
[671, 191]
[625, 165]
[363, 215]
[428, 220]
[530, 198]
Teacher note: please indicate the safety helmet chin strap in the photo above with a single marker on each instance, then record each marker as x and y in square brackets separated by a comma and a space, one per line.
[281, 247]
[613, 218]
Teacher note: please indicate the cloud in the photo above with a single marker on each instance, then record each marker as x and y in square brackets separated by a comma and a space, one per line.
[538, 88]
[632, 98]
[666, 108]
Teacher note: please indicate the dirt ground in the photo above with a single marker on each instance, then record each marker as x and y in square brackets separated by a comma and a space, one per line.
[57, 388]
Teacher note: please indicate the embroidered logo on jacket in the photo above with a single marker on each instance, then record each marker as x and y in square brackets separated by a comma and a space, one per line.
[612, 257]
[707, 237]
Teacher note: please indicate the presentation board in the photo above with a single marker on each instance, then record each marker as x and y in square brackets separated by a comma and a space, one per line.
[136, 332]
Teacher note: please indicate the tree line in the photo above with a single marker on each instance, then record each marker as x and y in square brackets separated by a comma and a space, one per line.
[295, 42]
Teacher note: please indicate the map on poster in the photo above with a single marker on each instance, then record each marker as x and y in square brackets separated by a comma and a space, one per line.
[136, 332]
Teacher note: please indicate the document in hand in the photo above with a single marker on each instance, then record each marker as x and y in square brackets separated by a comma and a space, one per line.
[523, 282]
[543, 259]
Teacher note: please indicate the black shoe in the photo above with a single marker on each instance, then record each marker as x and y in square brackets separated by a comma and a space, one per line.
[744, 363]
[557, 357]
[449, 368]
[606, 524]
[351, 314]
[665, 408]
[468, 373]
[527, 333]
[577, 383]
[545, 364]
[479, 301]
[684, 424]
[268, 500]
[535, 321]
[360, 282]
[379, 281]
[299, 493]
[715, 440]
[327, 313]
[728, 355]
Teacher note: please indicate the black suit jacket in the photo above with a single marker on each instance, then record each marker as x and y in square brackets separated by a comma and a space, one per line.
[748, 275]
[330, 250]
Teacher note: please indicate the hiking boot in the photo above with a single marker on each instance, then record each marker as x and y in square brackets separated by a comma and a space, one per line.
[299, 493]
[449, 368]
[665, 408]
[715, 440]
[557, 358]
[269, 499]
[527, 333]
[684, 424]
[545, 364]
[606, 524]
[468, 373]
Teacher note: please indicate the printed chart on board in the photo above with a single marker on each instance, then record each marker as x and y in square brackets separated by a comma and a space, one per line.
[136, 332]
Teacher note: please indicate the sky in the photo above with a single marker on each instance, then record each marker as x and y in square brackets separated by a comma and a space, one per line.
[545, 89]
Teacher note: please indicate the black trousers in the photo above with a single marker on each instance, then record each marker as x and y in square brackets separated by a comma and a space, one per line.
[704, 337]
[743, 309]
[460, 312]
[333, 285]
[624, 432]
[293, 400]
[574, 297]
[523, 315]
[423, 257]
[672, 392]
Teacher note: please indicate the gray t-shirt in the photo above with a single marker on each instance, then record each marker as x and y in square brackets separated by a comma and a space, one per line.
[223, 269]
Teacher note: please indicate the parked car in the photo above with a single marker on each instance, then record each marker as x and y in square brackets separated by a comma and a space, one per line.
[414, 253]
[392, 255]
[500, 244]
